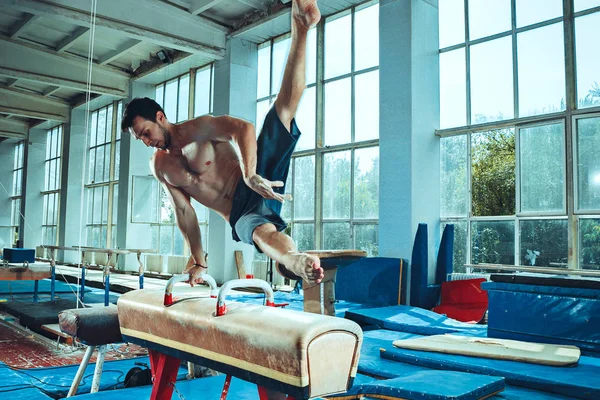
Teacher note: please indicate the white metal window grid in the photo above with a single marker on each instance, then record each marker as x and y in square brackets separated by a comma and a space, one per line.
[51, 193]
[161, 92]
[319, 151]
[18, 169]
[568, 118]
[110, 145]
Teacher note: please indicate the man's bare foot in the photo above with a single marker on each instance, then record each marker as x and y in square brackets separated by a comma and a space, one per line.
[306, 266]
[306, 12]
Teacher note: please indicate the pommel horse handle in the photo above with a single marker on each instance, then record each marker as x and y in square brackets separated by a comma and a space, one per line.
[246, 283]
[184, 277]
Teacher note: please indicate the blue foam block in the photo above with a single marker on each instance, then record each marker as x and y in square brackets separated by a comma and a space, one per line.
[370, 361]
[414, 320]
[581, 381]
[382, 281]
[433, 385]
[18, 255]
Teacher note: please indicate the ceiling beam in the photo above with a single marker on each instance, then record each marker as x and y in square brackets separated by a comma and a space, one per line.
[19, 112]
[11, 82]
[246, 26]
[130, 29]
[13, 128]
[51, 90]
[61, 56]
[119, 51]
[199, 6]
[62, 82]
[20, 26]
[152, 66]
[22, 93]
[12, 135]
[70, 40]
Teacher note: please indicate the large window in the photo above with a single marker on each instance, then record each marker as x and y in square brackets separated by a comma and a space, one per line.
[520, 129]
[15, 219]
[333, 178]
[102, 187]
[51, 186]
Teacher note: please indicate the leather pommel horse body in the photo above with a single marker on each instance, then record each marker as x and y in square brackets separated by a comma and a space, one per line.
[300, 354]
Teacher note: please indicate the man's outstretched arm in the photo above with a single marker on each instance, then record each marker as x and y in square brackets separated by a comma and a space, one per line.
[243, 133]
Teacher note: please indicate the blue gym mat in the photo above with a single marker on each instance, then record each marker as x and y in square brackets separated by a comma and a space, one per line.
[581, 381]
[414, 320]
[56, 381]
[9, 287]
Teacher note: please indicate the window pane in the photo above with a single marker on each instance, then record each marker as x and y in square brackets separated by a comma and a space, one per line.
[90, 206]
[493, 172]
[533, 11]
[337, 112]
[170, 106]
[366, 237]
[104, 204]
[178, 242]
[262, 108]
[586, 4]
[202, 92]
[93, 129]
[184, 98]
[336, 236]
[99, 174]
[453, 89]
[488, 17]
[304, 187]
[97, 212]
[160, 93]
[306, 119]
[264, 69]
[166, 239]
[588, 163]
[286, 208]
[459, 256]
[92, 165]
[491, 81]
[311, 56]
[452, 22]
[201, 211]
[117, 159]
[115, 204]
[337, 46]
[109, 123]
[544, 243]
[541, 70]
[366, 38]
[48, 144]
[144, 206]
[589, 237]
[304, 236]
[366, 106]
[167, 213]
[453, 176]
[366, 183]
[587, 59]
[336, 185]
[493, 242]
[280, 53]
[542, 168]
[101, 137]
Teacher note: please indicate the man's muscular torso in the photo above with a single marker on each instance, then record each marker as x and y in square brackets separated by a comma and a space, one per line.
[207, 170]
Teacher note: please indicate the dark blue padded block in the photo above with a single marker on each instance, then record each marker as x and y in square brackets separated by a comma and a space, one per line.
[543, 289]
[203, 388]
[414, 320]
[419, 270]
[18, 255]
[433, 385]
[444, 258]
[545, 317]
[581, 381]
[382, 281]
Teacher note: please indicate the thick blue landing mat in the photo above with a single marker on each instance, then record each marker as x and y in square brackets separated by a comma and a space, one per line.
[581, 381]
[432, 385]
[56, 381]
[9, 287]
[414, 320]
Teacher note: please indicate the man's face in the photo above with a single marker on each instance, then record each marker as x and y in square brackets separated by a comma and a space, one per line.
[153, 134]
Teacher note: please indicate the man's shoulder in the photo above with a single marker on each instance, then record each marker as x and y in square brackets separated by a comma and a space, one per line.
[157, 162]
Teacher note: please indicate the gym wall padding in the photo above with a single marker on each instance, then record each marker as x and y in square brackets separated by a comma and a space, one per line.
[413, 320]
[547, 314]
[378, 281]
[581, 381]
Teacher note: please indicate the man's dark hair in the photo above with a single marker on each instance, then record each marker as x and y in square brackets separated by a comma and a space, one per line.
[139, 107]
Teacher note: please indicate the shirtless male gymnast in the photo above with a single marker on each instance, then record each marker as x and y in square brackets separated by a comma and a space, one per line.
[196, 159]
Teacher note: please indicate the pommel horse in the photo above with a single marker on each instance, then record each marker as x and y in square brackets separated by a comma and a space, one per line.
[300, 354]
